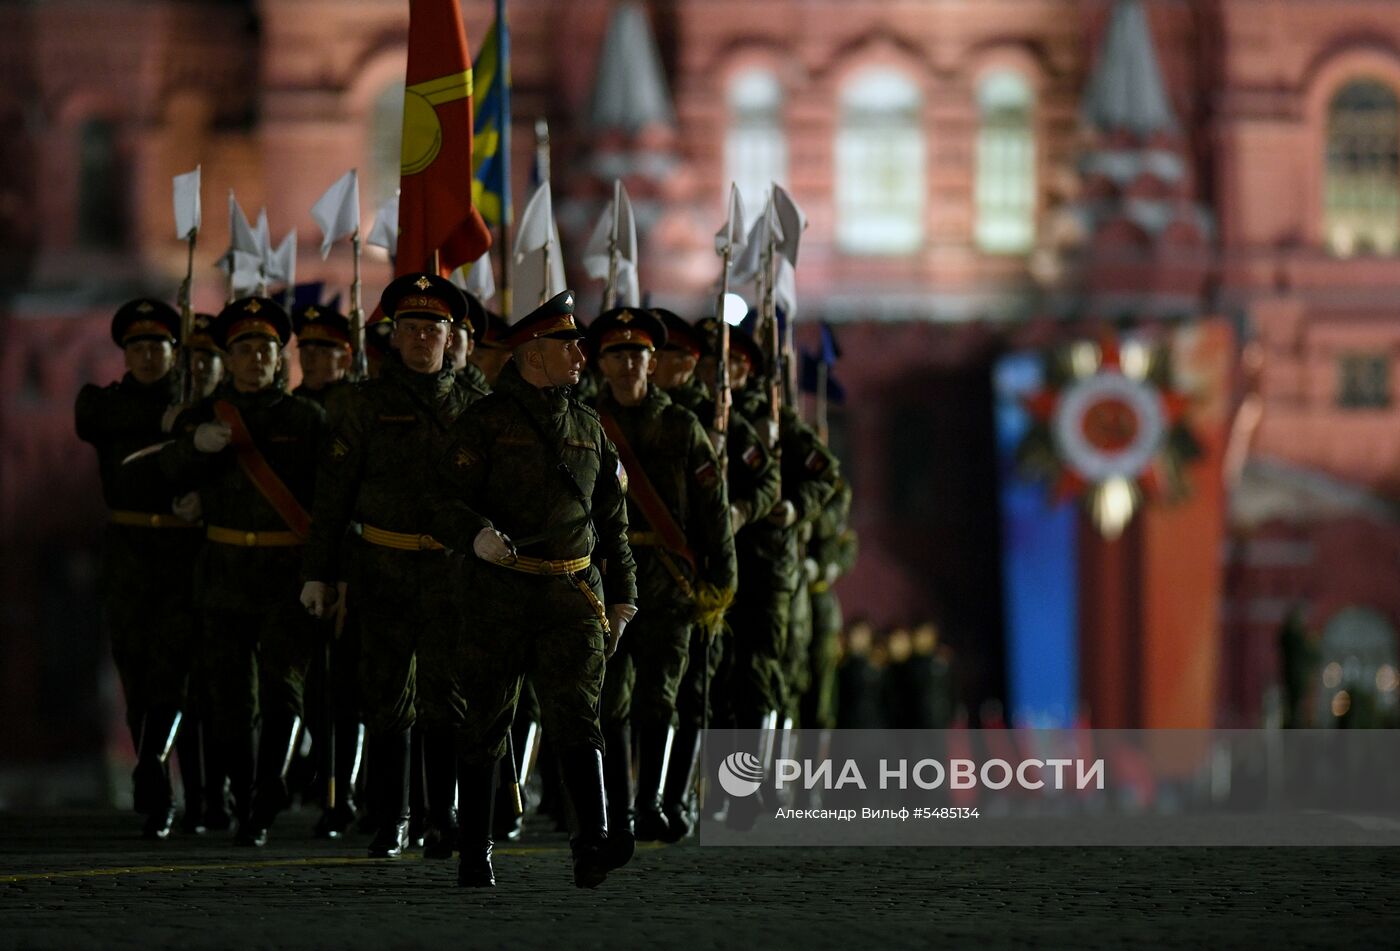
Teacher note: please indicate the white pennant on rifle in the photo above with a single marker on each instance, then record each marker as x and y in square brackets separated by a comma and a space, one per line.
[750, 260]
[187, 210]
[536, 242]
[338, 211]
[478, 280]
[385, 232]
[244, 257]
[282, 263]
[597, 257]
[731, 235]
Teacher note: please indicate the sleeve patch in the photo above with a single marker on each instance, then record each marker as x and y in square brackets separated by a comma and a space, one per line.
[464, 458]
[708, 474]
[816, 462]
[622, 476]
[753, 457]
[339, 450]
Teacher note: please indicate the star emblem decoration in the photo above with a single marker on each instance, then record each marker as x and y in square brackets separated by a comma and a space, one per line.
[252, 307]
[625, 317]
[423, 283]
[144, 307]
[569, 301]
[312, 313]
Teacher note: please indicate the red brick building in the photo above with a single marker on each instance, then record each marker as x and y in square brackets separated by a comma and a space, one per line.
[978, 177]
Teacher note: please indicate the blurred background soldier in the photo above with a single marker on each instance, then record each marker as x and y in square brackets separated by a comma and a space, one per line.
[531, 486]
[377, 471]
[379, 333]
[206, 360]
[769, 561]
[251, 452]
[685, 368]
[491, 352]
[466, 335]
[147, 550]
[833, 551]
[681, 537]
[323, 350]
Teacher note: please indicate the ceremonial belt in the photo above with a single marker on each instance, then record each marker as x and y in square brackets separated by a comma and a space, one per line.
[264, 479]
[818, 587]
[645, 495]
[245, 539]
[400, 541]
[569, 569]
[149, 520]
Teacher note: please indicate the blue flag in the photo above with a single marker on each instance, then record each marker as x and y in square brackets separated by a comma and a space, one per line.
[491, 124]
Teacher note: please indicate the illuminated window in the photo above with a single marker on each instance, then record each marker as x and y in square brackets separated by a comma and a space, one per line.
[1363, 170]
[880, 165]
[755, 149]
[1005, 187]
[102, 187]
[1363, 381]
[385, 134]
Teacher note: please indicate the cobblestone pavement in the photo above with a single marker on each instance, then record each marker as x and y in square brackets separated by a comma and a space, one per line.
[86, 880]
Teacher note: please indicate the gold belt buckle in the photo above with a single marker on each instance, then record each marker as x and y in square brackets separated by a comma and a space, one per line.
[250, 539]
[546, 567]
[424, 542]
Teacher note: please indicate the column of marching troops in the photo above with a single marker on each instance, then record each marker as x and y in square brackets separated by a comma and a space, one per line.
[491, 540]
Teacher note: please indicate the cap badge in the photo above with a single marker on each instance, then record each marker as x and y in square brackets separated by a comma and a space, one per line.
[422, 283]
[312, 313]
[252, 306]
[144, 307]
[625, 317]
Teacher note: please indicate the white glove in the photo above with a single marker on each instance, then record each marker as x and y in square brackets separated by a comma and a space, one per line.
[618, 617]
[167, 419]
[491, 545]
[212, 437]
[738, 516]
[317, 597]
[188, 507]
[812, 569]
[717, 440]
[770, 432]
[784, 514]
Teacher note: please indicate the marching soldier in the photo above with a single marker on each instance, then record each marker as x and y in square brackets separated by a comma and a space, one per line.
[250, 451]
[377, 471]
[833, 549]
[379, 332]
[491, 352]
[206, 360]
[681, 537]
[769, 560]
[147, 549]
[466, 337]
[531, 487]
[323, 350]
[689, 355]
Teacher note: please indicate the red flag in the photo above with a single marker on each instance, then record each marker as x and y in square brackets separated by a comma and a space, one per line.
[435, 184]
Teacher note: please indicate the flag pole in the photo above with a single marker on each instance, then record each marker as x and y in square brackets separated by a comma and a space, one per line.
[770, 327]
[503, 130]
[187, 321]
[823, 427]
[610, 289]
[359, 363]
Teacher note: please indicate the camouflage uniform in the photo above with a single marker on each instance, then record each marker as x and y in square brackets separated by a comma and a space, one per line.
[833, 547]
[147, 555]
[644, 676]
[257, 641]
[769, 565]
[496, 474]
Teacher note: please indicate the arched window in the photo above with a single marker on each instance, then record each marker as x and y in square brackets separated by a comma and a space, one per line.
[880, 165]
[1363, 170]
[385, 136]
[755, 149]
[1005, 165]
[102, 187]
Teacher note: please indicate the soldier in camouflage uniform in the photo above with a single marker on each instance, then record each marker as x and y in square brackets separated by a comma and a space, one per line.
[833, 549]
[491, 353]
[250, 451]
[323, 350]
[466, 337]
[206, 359]
[147, 550]
[378, 471]
[680, 533]
[686, 370]
[530, 486]
[769, 560]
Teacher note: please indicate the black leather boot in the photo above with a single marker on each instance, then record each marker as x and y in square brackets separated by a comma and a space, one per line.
[440, 790]
[189, 750]
[653, 750]
[217, 817]
[594, 853]
[389, 768]
[276, 747]
[744, 811]
[151, 780]
[477, 790]
[617, 781]
[677, 798]
[417, 800]
[338, 816]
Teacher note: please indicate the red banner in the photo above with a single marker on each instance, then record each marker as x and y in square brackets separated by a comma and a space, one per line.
[435, 184]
